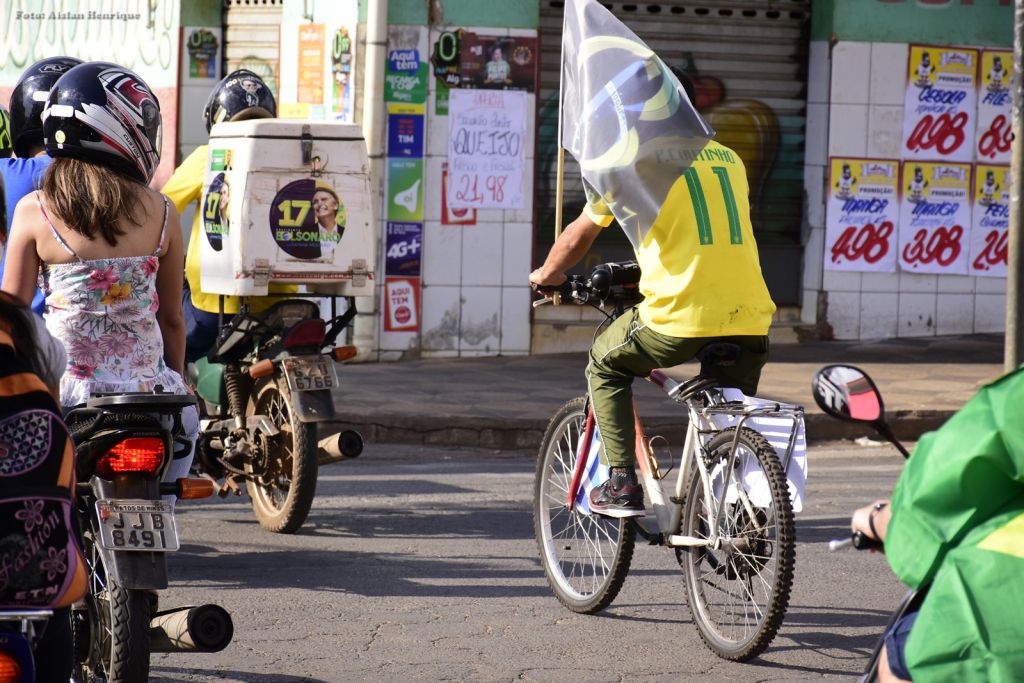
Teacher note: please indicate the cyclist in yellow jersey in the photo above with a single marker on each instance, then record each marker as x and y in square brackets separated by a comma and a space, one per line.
[701, 281]
[240, 95]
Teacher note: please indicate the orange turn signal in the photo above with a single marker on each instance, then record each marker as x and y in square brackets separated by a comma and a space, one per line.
[194, 487]
[344, 353]
[261, 368]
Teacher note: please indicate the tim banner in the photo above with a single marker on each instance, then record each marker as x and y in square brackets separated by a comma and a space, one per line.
[990, 230]
[405, 130]
[401, 304]
[486, 149]
[862, 215]
[935, 215]
[405, 190]
[404, 242]
[995, 105]
[940, 104]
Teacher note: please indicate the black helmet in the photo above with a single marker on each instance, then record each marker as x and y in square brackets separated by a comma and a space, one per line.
[5, 134]
[28, 99]
[106, 114]
[241, 95]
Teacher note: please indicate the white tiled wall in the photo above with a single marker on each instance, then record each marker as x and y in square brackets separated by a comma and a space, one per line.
[475, 297]
[855, 108]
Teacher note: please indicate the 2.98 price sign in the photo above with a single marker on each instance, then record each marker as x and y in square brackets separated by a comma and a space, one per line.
[935, 214]
[486, 149]
[990, 233]
[940, 103]
[863, 210]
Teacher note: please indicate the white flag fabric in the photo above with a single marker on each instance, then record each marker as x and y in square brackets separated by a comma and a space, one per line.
[625, 117]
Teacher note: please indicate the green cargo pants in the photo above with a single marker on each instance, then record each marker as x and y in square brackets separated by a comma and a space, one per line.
[627, 349]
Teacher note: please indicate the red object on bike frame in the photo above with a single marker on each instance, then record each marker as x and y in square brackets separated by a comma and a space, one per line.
[581, 458]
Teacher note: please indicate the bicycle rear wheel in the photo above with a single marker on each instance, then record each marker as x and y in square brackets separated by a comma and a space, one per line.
[738, 594]
[585, 557]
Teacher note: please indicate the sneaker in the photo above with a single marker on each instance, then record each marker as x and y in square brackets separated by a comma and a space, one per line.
[620, 496]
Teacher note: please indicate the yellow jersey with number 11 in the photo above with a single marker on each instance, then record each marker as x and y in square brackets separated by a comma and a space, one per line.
[701, 276]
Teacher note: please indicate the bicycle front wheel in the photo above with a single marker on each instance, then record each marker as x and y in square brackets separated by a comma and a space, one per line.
[739, 592]
[585, 557]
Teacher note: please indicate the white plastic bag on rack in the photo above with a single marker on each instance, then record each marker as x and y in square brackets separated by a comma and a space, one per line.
[777, 431]
[595, 474]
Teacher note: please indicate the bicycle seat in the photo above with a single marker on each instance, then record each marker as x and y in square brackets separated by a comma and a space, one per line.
[719, 353]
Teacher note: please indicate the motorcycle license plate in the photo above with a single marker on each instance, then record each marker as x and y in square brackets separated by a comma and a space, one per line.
[310, 373]
[145, 525]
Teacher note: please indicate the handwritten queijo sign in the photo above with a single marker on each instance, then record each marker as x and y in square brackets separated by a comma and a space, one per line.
[486, 149]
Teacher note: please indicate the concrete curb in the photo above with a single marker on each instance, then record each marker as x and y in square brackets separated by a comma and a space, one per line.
[522, 433]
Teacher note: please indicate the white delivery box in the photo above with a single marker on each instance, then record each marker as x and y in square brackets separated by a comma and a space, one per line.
[289, 202]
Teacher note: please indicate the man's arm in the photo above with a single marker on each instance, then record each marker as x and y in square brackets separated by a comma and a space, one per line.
[568, 250]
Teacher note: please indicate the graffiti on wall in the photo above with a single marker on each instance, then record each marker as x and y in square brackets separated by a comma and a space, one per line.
[140, 34]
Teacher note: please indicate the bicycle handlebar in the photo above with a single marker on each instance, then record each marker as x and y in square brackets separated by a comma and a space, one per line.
[857, 540]
[608, 281]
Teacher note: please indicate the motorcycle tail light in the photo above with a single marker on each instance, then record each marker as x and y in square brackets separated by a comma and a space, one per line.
[10, 670]
[306, 333]
[137, 454]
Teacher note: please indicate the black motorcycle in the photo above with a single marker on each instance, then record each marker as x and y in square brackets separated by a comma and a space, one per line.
[847, 393]
[124, 444]
[265, 386]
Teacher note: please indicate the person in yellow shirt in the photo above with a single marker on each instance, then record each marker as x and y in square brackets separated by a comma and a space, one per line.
[240, 95]
[702, 283]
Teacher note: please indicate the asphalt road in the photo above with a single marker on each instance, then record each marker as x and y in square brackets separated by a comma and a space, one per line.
[419, 564]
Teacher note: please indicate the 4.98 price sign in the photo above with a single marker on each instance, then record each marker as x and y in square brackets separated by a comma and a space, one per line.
[940, 104]
[935, 217]
[486, 149]
[863, 210]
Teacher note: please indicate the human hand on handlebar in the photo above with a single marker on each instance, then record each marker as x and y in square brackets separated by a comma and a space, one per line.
[539, 278]
[872, 520]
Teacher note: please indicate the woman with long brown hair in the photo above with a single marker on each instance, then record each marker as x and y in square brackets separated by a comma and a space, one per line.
[107, 249]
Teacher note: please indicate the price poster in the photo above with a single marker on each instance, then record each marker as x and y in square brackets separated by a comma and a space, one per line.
[450, 216]
[486, 149]
[311, 64]
[404, 243]
[935, 214]
[990, 231]
[401, 304]
[862, 214]
[940, 104]
[995, 105]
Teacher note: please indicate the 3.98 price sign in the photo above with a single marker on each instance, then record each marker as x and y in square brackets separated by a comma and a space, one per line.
[935, 215]
[486, 149]
[863, 210]
[940, 103]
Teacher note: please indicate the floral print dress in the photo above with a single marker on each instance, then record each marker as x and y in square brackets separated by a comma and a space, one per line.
[104, 311]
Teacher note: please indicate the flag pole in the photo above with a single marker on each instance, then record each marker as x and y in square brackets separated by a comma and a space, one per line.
[560, 163]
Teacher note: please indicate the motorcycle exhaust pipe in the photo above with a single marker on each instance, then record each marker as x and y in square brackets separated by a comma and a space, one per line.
[337, 447]
[206, 628]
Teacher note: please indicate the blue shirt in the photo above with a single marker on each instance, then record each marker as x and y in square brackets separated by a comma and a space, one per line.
[22, 176]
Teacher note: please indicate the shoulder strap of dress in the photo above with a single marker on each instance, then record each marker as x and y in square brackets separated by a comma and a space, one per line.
[163, 230]
[56, 235]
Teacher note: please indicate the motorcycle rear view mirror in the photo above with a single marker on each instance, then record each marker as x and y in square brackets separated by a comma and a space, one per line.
[847, 393]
